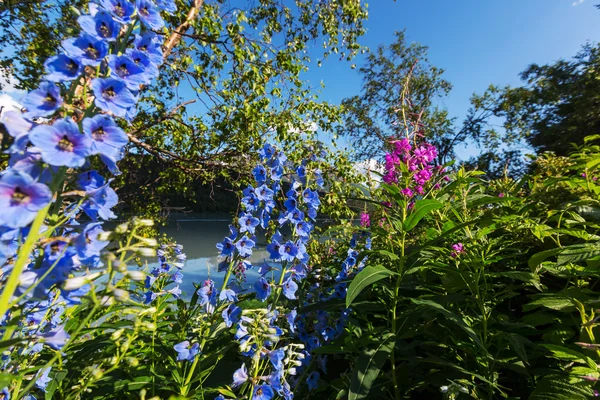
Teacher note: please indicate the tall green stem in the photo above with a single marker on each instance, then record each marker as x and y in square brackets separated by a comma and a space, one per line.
[397, 394]
[22, 260]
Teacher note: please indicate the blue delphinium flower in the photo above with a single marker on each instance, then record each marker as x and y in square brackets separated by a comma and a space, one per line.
[289, 289]
[311, 198]
[176, 291]
[303, 229]
[99, 201]
[185, 352]
[240, 376]
[267, 152]
[21, 198]
[43, 379]
[260, 174]
[291, 319]
[244, 246]
[88, 49]
[143, 60]
[149, 15]
[61, 143]
[263, 289]
[263, 392]
[101, 25]
[208, 296]
[226, 247]
[248, 223]
[276, 357]
[106, 136]
[231, 315]
[250, 202]
[43, 101]
[87, 244]
[62, 68]
[149, 43]
[121, 10]
[264, 193]
[56, 338]
[312, 380]
[112, 95]
[228, 294]
[288, 251]
[274, 246]
[125, 68]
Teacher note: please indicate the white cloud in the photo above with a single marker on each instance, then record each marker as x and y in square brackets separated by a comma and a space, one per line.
[8, 83]
[577, 2]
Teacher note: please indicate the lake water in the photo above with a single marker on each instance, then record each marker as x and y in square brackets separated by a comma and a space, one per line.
[199, 236]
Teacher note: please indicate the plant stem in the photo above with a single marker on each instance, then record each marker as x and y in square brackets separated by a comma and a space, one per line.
[185, 388]
[22, 260]
[397, 395]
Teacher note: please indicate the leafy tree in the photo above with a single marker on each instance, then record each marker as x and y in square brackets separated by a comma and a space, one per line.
[240, 61]
[399, 85]
[557, 105]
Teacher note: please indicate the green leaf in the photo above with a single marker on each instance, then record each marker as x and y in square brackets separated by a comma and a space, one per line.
[557, 303]
[366, 277]
[564, 353]
[560, 388]
[420, 210]
[368, 365]
[451, 316]
[538, 258]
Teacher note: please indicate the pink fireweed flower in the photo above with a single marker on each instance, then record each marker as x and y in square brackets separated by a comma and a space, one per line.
[403, 146]
[391, 160]
[425, 154]
[419, 189]
[407, 192]
[390, 177]
[457, 248]
[365, 220]
[422, 176]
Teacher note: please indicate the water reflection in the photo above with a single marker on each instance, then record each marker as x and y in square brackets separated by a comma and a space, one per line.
[198, 238]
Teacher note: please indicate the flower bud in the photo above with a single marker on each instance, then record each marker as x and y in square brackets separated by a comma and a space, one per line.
[151, 326]
[97, 373]
[121, 294]
[150, 242]
[117, 334]
[104, 236]
[132, 361]
[146, 252]
[122, 228]
[78, 281]
[136, 275]
[143, 222]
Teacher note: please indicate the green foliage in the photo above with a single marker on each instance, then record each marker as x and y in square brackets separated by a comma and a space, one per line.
[514, 315]
[230, 81]
[391, 76]
[555, 107]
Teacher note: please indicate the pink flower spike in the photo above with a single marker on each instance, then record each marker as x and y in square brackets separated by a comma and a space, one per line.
[365, 220]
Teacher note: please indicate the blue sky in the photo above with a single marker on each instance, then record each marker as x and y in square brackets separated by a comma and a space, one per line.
[476, 42]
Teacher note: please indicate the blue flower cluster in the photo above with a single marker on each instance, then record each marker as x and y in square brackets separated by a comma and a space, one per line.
[284, 199]
[171, 260]
[52, 244]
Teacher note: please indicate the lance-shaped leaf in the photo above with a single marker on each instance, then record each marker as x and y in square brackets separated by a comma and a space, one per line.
[365, 278]
[420, 210]
[368, 365]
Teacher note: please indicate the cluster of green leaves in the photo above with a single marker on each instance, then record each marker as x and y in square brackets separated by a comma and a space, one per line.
[242, 64]
[513, 316]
